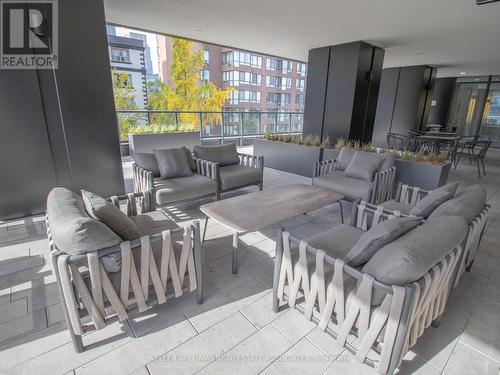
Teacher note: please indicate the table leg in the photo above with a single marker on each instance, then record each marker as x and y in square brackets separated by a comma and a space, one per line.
[204, 229]
[235, 253]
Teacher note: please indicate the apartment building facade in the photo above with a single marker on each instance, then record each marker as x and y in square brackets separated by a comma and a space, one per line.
[126, 56]
[261, 83]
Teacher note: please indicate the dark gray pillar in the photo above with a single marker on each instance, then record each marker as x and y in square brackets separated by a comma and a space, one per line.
[59, 127]
[441, 100]
[342, 88]
[404, 101]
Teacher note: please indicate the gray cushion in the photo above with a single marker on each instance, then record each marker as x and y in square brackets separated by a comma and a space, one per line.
[377, 237]
[388, 161]
[234, 176]
[467, 203]
[363, 166]
[191, 161]
[431, 201]
[153, 222]
[183, 188]
[345, 156]
[72, 229]
[149, 223]
[105, 211]
[412, 255]
[398, 206]
[147, 161]
[173, 163]
[336, 242]
[351, 188]
[224, 155]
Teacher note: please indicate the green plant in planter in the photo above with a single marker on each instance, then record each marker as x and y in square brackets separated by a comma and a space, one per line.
[308, 141]
[316, 141]
[432, 156]
[442, 156]
[356, 145]
[340, 143]
[267, 135]
[419, 155]
[406, 155]
[297, 140]
[368, 147]
[326, 142]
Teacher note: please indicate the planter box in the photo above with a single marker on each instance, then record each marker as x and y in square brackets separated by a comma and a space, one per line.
[288, 157]
[424, 175]
[330, 153]
[150, 142]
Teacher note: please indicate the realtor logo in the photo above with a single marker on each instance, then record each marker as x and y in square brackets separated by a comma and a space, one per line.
[29, 34]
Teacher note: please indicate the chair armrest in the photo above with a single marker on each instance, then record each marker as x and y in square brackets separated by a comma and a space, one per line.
[253, 161]
[133, 199]
[409, 194]
[365, 215]
[324, 167]
[208, 168]
[383, 185]
[143, 179]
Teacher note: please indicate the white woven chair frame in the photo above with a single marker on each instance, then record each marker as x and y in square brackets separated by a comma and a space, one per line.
[134, 282]
[383, 185]
[410, 194]
[390, 329]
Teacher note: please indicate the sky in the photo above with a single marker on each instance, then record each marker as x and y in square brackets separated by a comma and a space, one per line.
[150, 40]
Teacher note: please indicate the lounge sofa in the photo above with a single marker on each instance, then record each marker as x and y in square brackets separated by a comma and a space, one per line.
[107, 262]
[358, 175]
[202, 182]
[469, 203]
[382, 279]
[234, 170]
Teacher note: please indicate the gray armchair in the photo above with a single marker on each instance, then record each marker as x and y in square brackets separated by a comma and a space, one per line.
[107, 265]
[234, 170]
[371, 178]
[202, 183]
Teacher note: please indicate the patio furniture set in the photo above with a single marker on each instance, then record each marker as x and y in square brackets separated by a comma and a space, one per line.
[374, 284]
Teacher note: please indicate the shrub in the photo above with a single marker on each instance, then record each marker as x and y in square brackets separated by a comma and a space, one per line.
[340, 143]
[326, 142]
[316, 141]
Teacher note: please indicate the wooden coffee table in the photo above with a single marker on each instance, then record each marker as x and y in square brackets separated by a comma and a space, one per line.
[257, 210]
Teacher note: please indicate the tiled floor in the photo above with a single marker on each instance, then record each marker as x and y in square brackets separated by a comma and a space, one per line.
[234, 331]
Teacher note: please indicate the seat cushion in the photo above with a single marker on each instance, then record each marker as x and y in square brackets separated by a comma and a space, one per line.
[191, 161]
[467, 204]
[363, 166]
[147, 161]
[431, 201]
[224, 155]
[377, 237]
[398, 206]
[183, 188]
[351, 188]
[105, 211]
[72, 229]
[336, 242]
[234, 176]
[149, 223]
[173, 163]
[153, 222]
[412, 255]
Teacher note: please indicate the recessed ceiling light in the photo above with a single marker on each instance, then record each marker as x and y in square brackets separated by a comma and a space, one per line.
[462, 73]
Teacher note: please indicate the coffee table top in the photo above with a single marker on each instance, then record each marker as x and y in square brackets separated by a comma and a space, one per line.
[253, 211]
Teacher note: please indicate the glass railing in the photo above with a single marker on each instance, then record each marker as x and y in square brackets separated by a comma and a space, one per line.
[221, 126]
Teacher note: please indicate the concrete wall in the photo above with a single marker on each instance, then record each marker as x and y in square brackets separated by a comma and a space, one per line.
[441, 100]
[58, 128]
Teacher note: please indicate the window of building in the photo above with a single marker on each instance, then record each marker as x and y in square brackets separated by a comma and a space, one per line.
[272, 64]
[244, 96]
[236, 78]
[282, 83]
[301, 84]
[302, 69]
[279, 98]
[120, 55]
[206, 56]
[205, 75]
[122, 80]
[286, 66]
[237, 58]
[299, 99]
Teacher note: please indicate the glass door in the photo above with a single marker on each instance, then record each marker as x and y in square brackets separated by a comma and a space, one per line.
[466, 107]
[490, 126]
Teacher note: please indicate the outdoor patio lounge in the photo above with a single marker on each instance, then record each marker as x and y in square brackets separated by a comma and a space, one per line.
[236, 318]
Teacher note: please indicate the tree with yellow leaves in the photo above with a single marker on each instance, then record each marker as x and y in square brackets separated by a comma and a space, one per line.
[188, 92]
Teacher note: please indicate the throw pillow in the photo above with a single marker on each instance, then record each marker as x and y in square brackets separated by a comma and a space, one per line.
[147, 161]
[173, 163]
[435, 198]
[105, 211]
[363, 166]
[224, 155]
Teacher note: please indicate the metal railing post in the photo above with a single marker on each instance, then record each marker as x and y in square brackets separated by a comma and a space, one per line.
[276, 127]
[259, 130]
[222, 129]
[290, 127]
[201, 127]
[241, 129]
[176, 120]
